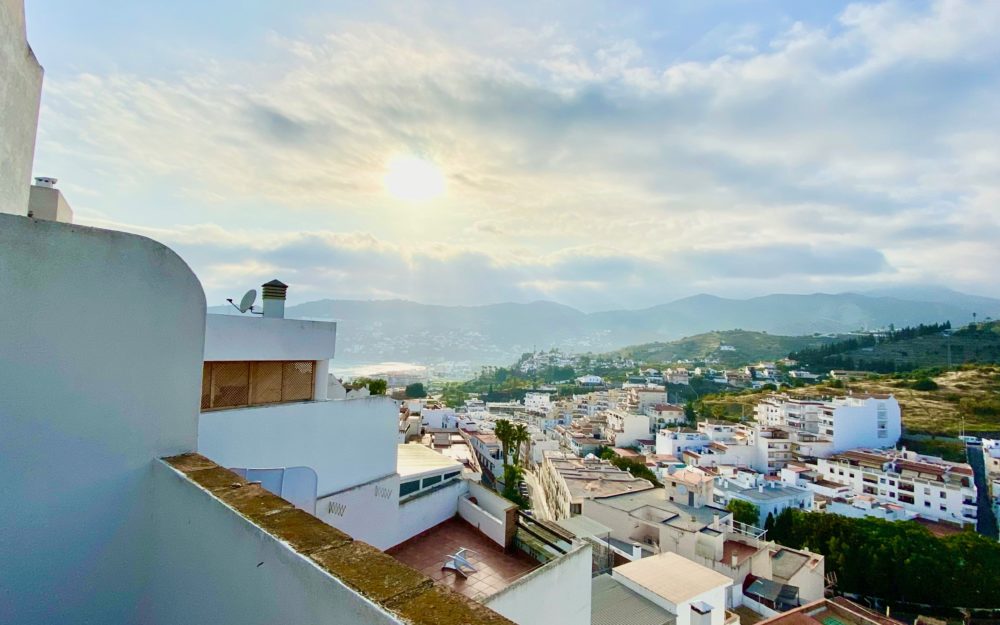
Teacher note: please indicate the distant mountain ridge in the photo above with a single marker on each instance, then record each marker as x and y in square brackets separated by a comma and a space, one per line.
[400, 330]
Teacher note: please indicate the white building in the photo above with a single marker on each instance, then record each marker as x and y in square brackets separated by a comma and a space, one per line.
[674, 442]
[695, 594]
[567, 481]
[538, 403]
[664, 415]
[590, 380]
[770, 496]
[626, 429]
[923, 485]
[849, 422]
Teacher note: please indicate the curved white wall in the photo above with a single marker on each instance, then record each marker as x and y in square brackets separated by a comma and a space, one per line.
[101, 339]
[20, 94]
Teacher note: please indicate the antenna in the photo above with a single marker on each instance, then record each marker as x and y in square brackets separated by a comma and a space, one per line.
[246, 303]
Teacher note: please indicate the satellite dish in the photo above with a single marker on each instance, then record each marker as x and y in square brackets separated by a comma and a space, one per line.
[248, 299]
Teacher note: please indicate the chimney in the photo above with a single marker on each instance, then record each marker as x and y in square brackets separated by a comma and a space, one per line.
[45, 181]
[735, 561]
[637, 552]
[274, 299]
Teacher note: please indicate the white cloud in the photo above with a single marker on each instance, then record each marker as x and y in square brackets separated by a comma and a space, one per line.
[575, 159]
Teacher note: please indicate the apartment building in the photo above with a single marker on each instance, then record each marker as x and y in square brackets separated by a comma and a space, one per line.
[926, 486]
[663, 415]
[655, 521]
[626, 429]
[770, 497]
[849, 422]
[567, 481]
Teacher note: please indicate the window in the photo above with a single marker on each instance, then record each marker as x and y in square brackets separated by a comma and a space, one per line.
[943, 507]
[431, 481]
[236, 384]
[927, 504]
[941, 494]
[575, 508]
[405, 488]
[448, 476]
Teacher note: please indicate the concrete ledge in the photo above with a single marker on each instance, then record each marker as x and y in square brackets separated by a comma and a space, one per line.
[398, 589]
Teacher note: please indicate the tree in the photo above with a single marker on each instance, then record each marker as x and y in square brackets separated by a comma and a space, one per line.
[415, 390]
[375, 385]
[769, 522]
[519, 438]
[689, 412]
[744, 511]
[504, 431]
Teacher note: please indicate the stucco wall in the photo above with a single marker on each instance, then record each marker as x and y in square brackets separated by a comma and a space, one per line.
[424, 512]
[101, 339]
[252, 337]
[352, 511]
[347, 442]
[20, 94]
[530, 600]
[214, 566]
[489, 513]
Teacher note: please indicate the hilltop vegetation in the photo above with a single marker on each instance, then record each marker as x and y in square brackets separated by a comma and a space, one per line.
[970, 393]
[919, 347]
[727, 348]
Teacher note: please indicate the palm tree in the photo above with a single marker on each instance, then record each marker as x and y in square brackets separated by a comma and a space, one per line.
[519, 436]
[504, 432]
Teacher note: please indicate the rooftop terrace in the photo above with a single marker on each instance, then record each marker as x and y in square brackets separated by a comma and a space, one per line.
[428, 551]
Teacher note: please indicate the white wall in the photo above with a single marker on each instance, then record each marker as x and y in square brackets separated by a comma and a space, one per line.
[347, 442]
[252, 337]
[427, 510]
[489, 513]
[214, 566]
[101, 337]
[352, 511]
[856, 426]
[20, 94]
[555, 594]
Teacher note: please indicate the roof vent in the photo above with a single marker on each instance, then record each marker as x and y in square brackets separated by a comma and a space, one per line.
[45, 181]
[273, 293]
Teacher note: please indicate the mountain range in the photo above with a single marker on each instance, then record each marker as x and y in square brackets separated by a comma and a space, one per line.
[405, 331]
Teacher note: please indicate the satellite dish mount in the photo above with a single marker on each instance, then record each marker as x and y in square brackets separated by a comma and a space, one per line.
[246, 304]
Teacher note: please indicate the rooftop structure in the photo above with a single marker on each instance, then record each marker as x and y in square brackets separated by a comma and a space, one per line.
[567, 480]
[694, 594]
[612, 603]
[927, 486]
[836, 611]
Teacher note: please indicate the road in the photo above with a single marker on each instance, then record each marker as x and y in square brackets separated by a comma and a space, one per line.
[986, 522]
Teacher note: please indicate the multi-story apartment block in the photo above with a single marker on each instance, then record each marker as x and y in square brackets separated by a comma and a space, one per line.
[567, 481]
[664, 415]
[626, 429]
[926, 486]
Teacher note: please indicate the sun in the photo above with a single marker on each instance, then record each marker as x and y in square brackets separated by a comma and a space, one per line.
[413, 179]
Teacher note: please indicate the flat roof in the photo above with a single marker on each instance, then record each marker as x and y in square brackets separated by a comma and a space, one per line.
[413, 459]
[581, 526]
[611, 603]
[787, 562]
[673, 577]
[681, 516]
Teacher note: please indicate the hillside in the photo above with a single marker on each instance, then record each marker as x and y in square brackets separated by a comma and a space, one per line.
[742, 347]
[972, 394]
[978, 343]
[397, 330]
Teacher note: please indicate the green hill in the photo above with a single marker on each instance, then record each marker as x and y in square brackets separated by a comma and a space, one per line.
[917, 348]
[728, 348]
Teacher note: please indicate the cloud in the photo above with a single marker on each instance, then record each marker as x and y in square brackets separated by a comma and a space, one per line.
[582, 163]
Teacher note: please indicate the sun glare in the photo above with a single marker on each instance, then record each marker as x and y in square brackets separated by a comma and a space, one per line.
[413, 179]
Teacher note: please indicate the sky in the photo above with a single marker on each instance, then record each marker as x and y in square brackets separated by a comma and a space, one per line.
[602, 155]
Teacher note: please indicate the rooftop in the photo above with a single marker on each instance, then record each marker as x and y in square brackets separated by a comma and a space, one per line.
[653, 506]
[836, 611]
[395, 587]
[427, 552]
[611, 603]
[413, 460]
[673, 577]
